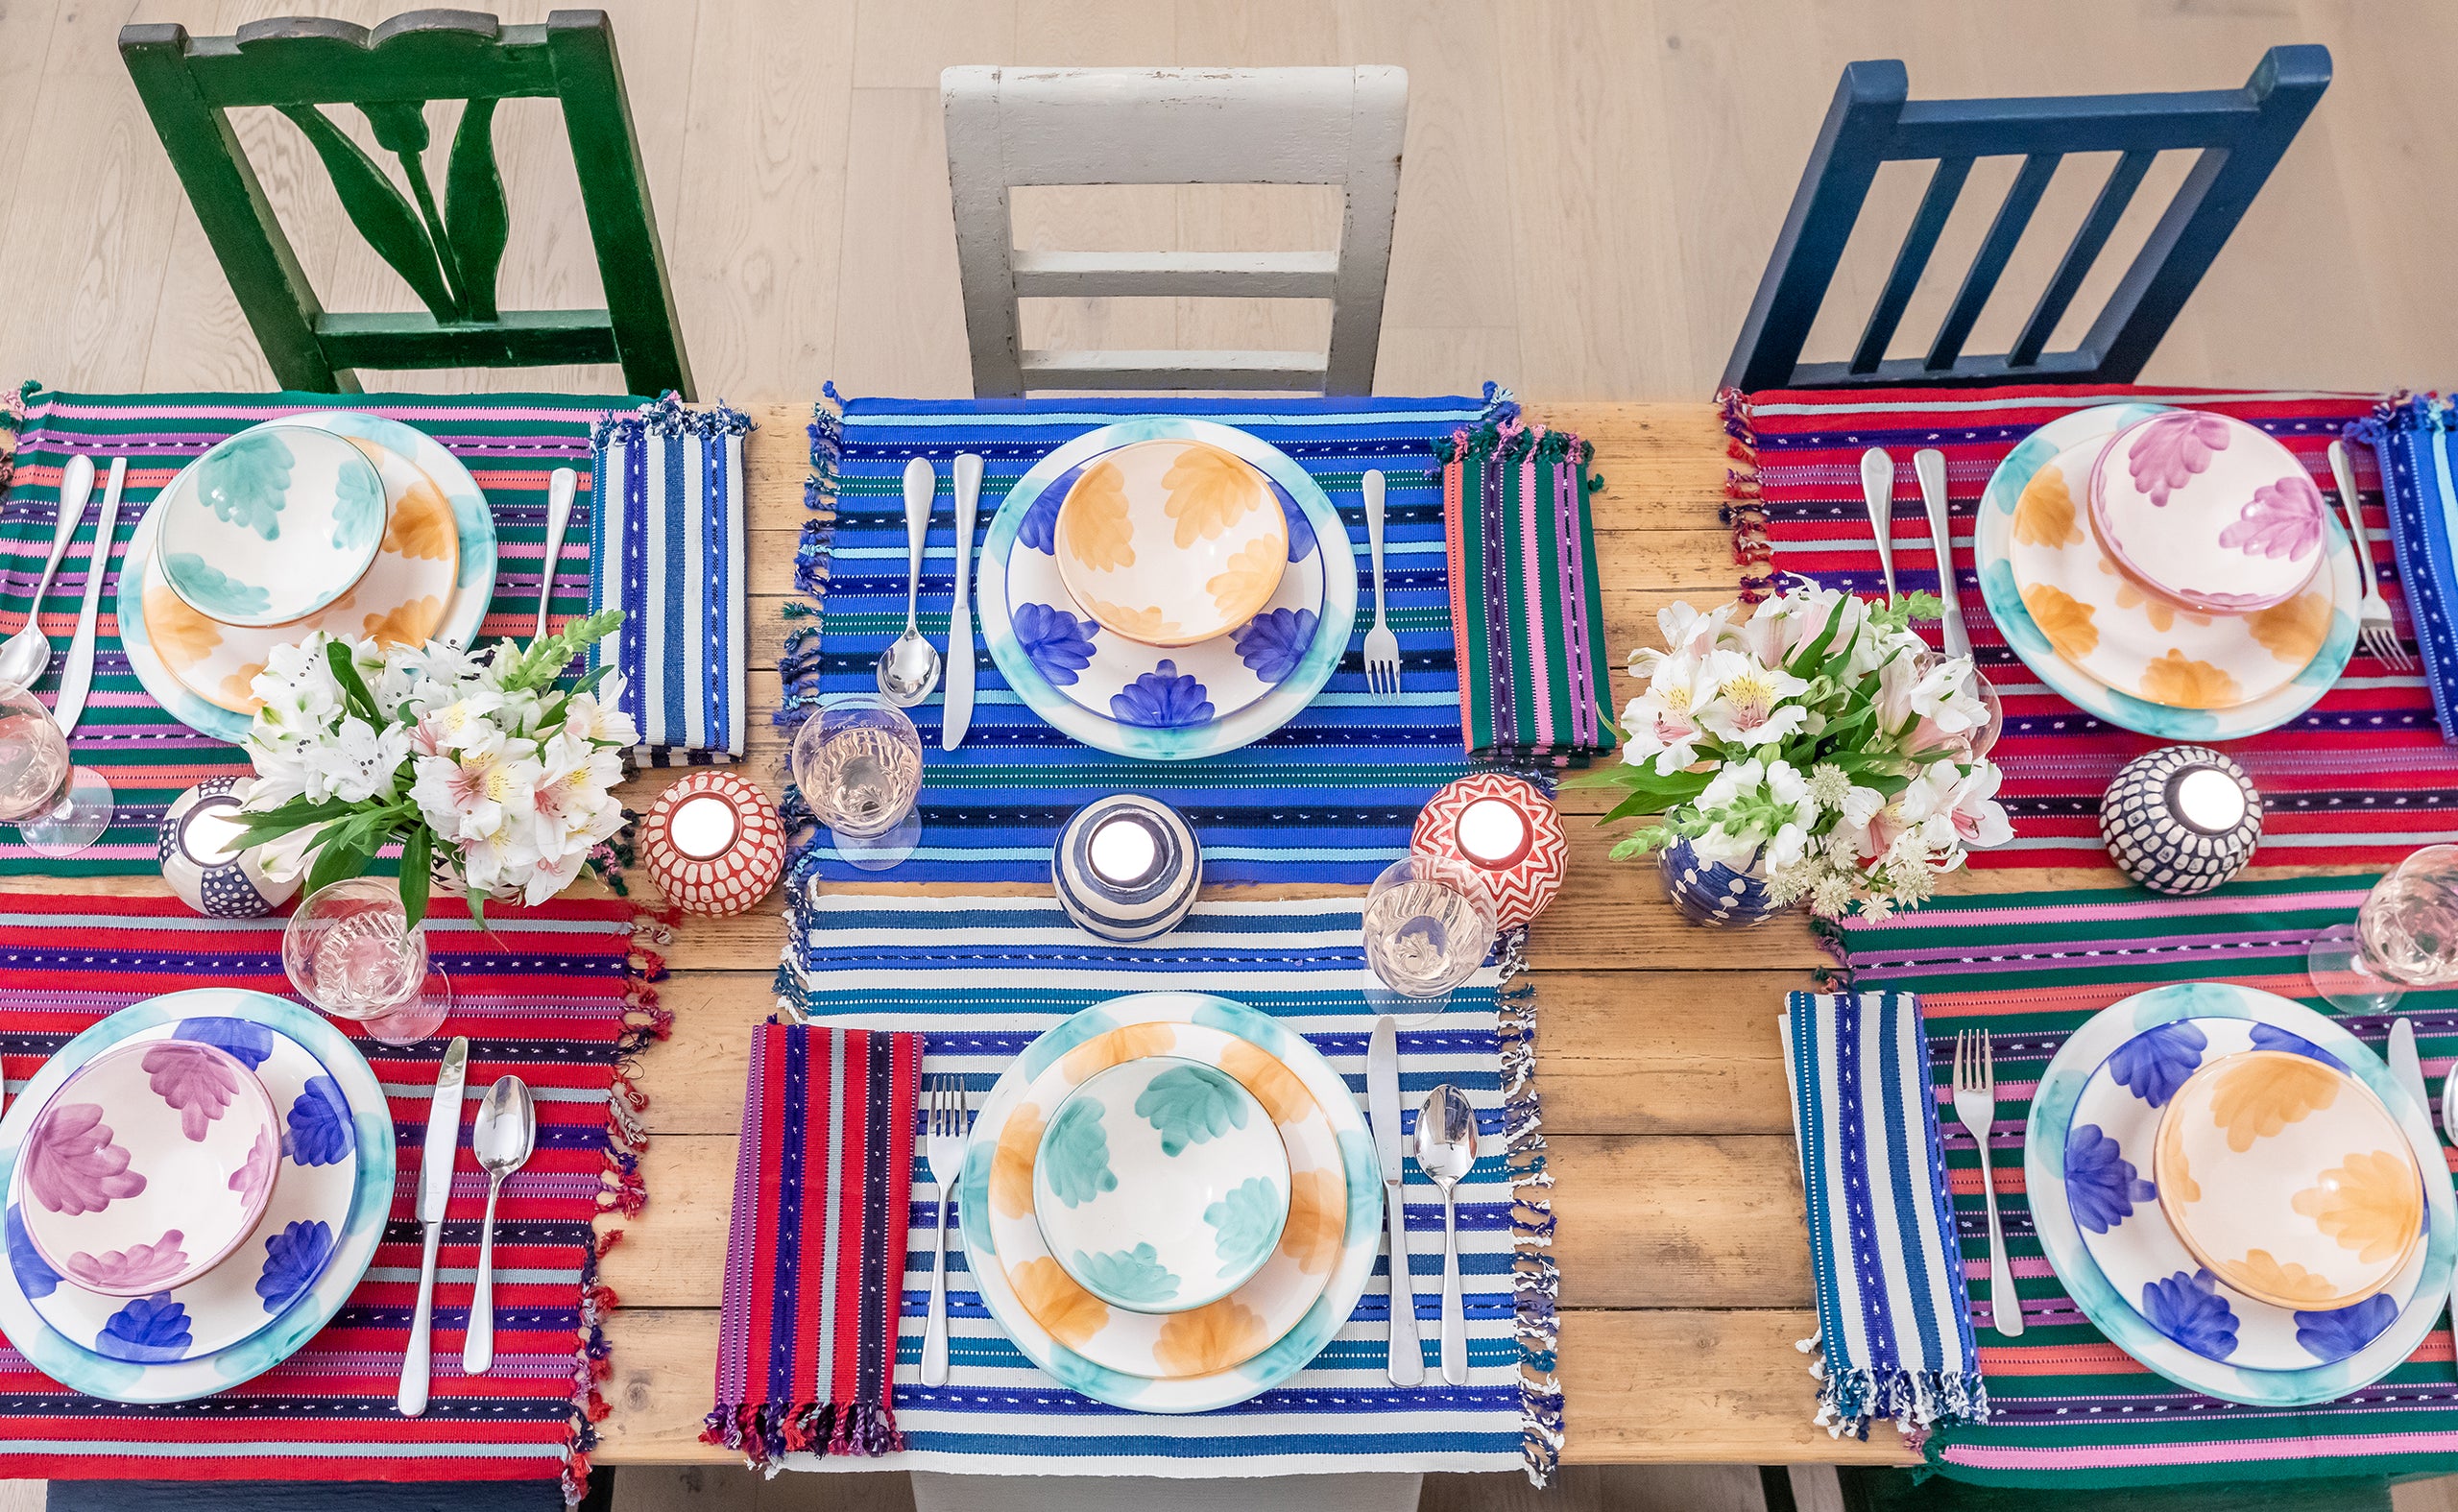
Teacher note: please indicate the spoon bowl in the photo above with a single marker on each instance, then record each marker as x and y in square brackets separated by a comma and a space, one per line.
[909, 667]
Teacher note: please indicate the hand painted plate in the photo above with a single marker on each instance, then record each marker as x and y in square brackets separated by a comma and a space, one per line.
[2097, 619]
[1208, 1339]
[1992, 549]
[2053, 1202]
[1121, 697]
[1360, 1240]
[2108, 1186]
[472, 580]
[370, 1122]
[272, 1268]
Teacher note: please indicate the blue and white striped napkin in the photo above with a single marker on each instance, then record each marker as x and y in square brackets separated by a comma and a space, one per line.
[669, 550]
[1893, 1318]
[2420, 489]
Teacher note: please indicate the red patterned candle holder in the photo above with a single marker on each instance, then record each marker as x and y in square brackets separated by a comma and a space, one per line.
[714, 843]
[1507, 830]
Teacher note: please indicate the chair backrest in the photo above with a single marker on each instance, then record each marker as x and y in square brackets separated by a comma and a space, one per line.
[2240, 132]
[449, 256]
[1014, 127]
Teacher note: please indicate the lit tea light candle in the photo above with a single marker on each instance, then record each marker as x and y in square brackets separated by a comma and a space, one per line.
[714, 843]
[2207, 799]
[1125, 849]
[703, 827]
[1493, 832]
[212, 830]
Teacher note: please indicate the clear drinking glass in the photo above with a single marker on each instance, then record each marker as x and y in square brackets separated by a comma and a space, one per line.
[1429, 923]
[59, 807]
[351, 952]
[859, 763]
[2405, 935]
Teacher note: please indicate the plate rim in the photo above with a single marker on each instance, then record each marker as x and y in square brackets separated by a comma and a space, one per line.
[1991, 563]
[1247, 725]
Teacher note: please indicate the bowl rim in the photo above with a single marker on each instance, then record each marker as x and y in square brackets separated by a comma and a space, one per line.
[2105, 535]
[252, 1087]
[1226, 1285]
[2169, 1203]
[181, 496]
[1226, 622]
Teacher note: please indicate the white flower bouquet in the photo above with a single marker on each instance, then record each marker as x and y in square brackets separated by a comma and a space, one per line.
[478, 764]
[1818, 743]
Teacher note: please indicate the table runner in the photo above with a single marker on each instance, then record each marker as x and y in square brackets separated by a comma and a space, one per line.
[556, 993]
[2362, 777]
[2410, 441]
[2066, 1407]
[510, 443]
[982, 977]
[1329, 797]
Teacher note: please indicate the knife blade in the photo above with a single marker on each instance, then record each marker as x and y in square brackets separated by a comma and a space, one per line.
[956, 714]
[2407, 1066]
[435, 1194]
[1407, 1361]
[77, 674]
[1929, 463]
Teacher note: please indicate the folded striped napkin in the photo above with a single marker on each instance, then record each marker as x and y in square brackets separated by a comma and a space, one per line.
[1527, 616]
[2420, 485]
[669, 550]
[815, 1261]
[1894, 1319]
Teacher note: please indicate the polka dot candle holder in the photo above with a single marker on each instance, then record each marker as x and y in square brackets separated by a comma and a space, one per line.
[197, 846]
[2180, 820]
[1507, 831]
[714, 843]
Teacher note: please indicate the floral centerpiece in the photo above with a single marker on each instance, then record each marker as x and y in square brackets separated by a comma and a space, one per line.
[477, 763]
[1817, 745]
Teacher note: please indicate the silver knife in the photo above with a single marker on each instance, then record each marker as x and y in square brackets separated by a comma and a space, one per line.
[1930, 465]
[956, 714]
[2408, 1068]
[435, 1192]
[1382, 1105]
[77, 675]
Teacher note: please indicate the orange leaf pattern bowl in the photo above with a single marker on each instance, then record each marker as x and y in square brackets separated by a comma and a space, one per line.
[1169, 542]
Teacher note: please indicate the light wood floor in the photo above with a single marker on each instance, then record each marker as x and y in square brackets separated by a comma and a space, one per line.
[1591, 188]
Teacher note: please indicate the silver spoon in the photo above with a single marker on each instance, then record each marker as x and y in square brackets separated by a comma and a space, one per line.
[909, 668]
[505, 1133]
[560, 485]
[26, 656]
[1446, 1149]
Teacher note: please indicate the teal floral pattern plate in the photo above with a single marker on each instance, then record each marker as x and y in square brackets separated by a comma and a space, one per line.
[2180, 1322]
[368, 1131]
[271, 525]
[1993, 553]
[1149, 702]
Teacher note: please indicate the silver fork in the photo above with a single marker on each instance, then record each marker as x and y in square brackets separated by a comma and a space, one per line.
[1382, 647]
[1976, 1105]
[944, 1139]
[2373, 626]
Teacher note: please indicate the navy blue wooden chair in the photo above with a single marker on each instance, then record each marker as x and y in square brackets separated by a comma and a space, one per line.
[2240, 133]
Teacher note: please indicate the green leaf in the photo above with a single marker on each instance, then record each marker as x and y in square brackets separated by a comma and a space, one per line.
[416, 859]
[334, 863]
[377, 209]
[476, 222]
[337, 656]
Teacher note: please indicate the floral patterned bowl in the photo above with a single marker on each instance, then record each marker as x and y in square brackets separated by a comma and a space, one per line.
[2288, 1180]
[1171, 542]
[1161, 1185]
[2207, 511]
[148, 1166]
[271, 525]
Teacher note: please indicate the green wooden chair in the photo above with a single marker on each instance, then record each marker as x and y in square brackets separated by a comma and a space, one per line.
[448, 255]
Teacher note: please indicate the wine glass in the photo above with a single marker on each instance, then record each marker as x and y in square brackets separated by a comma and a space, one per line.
[859, 763]
[59, 807]
[349, 949]
[2405, 935]
[1429, 922]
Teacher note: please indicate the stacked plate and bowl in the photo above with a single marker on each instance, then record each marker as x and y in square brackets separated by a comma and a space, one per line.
[2171, 571]
[326, 520]
[194, 1186]
[1170, 1202]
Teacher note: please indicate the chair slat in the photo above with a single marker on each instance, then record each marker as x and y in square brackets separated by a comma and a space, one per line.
[2083, 250]
[1910, 260]
[1989, 265]
[1295, 371]
[1254, 275]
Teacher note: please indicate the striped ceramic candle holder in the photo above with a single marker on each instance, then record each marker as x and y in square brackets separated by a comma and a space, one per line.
[1126, 868]
[714, 843]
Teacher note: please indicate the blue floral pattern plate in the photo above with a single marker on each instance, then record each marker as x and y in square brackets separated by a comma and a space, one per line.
[2108, 1186]
[1993, 553]
[369, 1131]
[1150, 702]
[2073, 1179]
[272, 1268]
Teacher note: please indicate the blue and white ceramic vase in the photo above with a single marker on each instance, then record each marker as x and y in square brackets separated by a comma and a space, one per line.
[1711, 892]
[2180, 820]
[1126, 868]
[194, 847]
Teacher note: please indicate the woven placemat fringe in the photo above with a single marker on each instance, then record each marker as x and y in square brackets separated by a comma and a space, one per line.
[1535, 1274]
[1741, 512]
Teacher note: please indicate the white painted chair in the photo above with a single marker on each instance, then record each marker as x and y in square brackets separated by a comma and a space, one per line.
[1014, 127]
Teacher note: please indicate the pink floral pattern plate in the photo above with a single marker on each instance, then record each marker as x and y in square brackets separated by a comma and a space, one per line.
[148, 1167]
